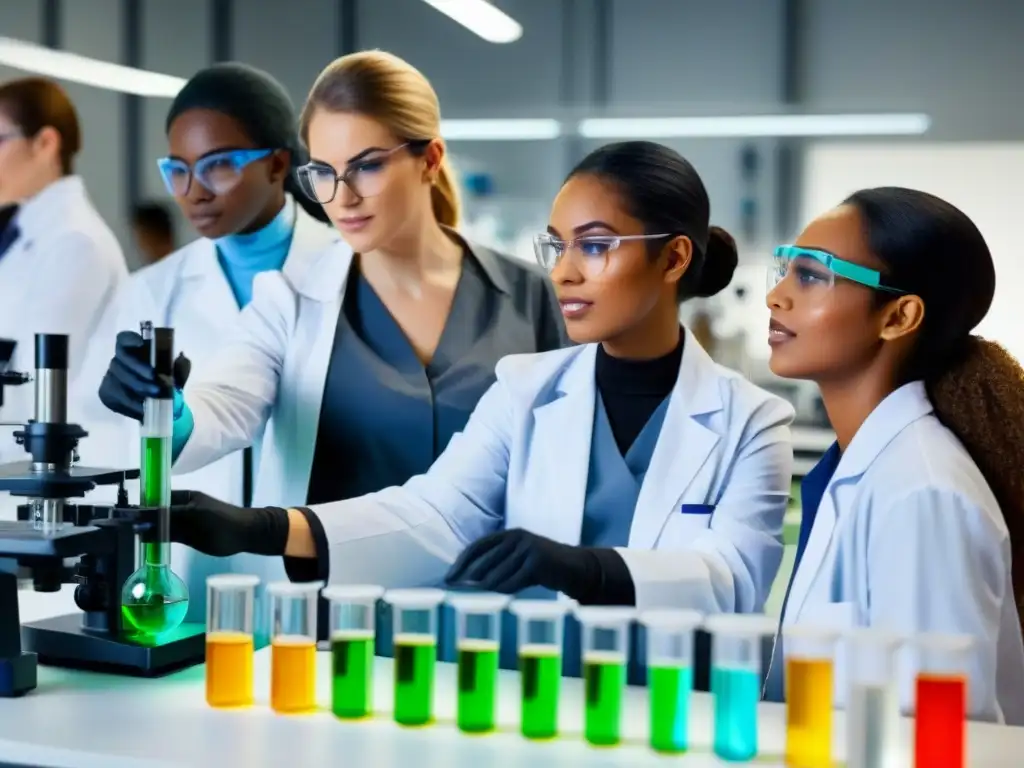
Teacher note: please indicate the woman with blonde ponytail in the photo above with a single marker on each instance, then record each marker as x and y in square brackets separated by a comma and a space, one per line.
[355, 365]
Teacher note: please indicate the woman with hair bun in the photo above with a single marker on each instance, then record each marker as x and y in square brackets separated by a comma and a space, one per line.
[913, 521]
[627, 470]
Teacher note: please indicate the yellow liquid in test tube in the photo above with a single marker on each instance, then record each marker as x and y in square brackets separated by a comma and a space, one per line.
[808, 713]
[293, 674]
[228, 669]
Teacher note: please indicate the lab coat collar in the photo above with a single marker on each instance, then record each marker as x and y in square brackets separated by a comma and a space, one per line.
[890, 417]
[567, 422]
[48, 207]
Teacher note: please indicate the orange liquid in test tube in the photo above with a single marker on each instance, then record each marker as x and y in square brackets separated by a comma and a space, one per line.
[293, 674]
[229, 669]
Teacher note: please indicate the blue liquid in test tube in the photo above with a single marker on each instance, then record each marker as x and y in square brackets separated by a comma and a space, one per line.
[736, 681]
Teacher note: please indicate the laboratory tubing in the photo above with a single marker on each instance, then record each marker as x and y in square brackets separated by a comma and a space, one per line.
[478, 635]
[352, 631]
[736, 680]
[414, 623]
[154, 600]
[293, 613]
[229, 646]
[872, 708]
[810, 652]
[539, 637]
[669, 675]
[941, 700]
[605, 639]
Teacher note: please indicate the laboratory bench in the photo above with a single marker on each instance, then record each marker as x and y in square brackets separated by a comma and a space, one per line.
[87, 720]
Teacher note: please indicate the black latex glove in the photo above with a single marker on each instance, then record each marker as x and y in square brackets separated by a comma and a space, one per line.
[513, 560]
[130, 379]
[221, 529]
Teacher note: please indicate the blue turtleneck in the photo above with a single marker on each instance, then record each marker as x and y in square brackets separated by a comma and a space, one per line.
[242, 257]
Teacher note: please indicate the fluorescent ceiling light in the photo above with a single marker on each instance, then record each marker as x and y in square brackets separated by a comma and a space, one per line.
[755, 125]
[81, 69]
[500, 130]
[481, 18]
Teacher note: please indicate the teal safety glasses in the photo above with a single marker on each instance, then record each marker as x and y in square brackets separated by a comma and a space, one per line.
[219, 172]
[817, 270]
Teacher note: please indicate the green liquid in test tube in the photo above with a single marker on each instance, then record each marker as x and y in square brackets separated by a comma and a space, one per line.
[415, 623]
[605, 653]
[352, 632]
[670, 676]
[154, 600]
[540, 629]
[478, 637]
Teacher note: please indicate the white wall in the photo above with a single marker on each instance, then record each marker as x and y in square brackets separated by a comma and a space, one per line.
[986, 181]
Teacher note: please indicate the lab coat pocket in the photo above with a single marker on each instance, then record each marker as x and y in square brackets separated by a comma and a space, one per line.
[837, 618]
[687, 523]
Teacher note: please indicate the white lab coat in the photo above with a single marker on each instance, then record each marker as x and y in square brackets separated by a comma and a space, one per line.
[522, 462]
[189, 292]
[58, 277]
[909, 538]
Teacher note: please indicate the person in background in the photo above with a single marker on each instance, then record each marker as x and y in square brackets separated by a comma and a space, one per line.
[627, 470]
[363, 366]
[60, 263]
[232, 150]
[153, 232]
[913, 521]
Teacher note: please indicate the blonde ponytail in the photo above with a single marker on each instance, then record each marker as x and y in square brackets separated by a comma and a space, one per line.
[444, 196]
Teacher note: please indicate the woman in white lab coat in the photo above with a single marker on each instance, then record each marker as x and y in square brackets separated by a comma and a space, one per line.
[629, 469]
[232, 151]
[912, 520]
[60, 263]
[360, 367]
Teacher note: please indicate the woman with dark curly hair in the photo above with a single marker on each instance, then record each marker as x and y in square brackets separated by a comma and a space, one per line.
[912, 521]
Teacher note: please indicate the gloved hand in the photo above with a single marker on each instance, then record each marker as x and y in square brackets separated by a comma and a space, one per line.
[513, 560]
[220, 529]
[130, 379]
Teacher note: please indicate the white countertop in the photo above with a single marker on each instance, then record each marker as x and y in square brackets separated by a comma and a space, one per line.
[89, 720]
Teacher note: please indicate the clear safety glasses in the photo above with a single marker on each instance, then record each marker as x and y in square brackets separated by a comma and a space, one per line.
[365, 178]
[816, 270]
[219, 172]
[589, 254]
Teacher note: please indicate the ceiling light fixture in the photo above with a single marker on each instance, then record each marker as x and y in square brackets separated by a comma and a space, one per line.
[755, 126]
[481, 18]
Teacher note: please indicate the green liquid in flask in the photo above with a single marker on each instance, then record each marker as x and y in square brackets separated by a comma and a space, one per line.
[352, 681]
[478, 685]
[540, 670]
[670, 704]
[605, 677]
[415, 660]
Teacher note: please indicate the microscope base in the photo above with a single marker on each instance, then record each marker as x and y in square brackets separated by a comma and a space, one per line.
[17, 675]
[62, 642]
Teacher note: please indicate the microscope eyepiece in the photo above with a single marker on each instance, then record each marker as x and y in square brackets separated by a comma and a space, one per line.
[52, 352]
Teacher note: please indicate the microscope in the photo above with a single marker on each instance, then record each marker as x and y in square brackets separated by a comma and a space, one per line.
[58, 541]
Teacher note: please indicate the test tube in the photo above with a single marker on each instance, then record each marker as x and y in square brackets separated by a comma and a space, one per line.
[736, 680]
[415, 634]
[809, 655]
[353, 608]
[941, 692]
[670, 675]
[478, 638]
[605, 637]
[872, 709]
[293, 612]
[229, 644]
[540, 629]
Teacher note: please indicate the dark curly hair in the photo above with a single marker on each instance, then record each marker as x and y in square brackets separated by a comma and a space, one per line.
[933, 250]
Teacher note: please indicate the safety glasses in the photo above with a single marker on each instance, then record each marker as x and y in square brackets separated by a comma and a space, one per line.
[364, 178]
[816, 270]
[218, 172]
[590, 254]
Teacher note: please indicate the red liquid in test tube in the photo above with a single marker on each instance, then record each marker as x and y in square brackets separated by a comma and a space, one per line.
[940, 726]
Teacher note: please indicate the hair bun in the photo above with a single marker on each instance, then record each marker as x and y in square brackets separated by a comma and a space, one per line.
[720, 262]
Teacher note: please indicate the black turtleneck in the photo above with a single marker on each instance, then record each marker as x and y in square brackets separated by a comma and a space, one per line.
[632, 390]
